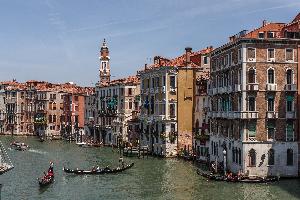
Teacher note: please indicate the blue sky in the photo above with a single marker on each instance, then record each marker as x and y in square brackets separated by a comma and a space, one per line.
[59, 40]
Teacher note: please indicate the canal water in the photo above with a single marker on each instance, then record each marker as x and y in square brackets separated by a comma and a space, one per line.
[151, 178]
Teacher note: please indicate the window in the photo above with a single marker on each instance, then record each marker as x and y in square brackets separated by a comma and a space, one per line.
[251, 76]
[251, 53]
[252, 130]
[270, 103]
[271, 76]
[233, 155]
[76, 98]
[164, 81]
[270, 34]
[205, 60]
[289, 55]
[271, 157]
[252, 158]
[240, 156]
[129, 91]
[230, 59]
[240, 54]
[289, 104]
[289, 131]
[130, 104]
[54, 106]
[289, 76]
[289, 157]
[157, 81]
[172, 110]
[271, 54]
[172, 82]
[271, 131]
[261, 35]
[251, 104]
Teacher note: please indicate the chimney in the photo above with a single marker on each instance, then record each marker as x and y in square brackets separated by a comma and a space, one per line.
[146, 66]
[264, 22]
[188, 51]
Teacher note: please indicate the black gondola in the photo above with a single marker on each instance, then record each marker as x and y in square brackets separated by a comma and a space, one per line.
[105, 170]
[236, 179]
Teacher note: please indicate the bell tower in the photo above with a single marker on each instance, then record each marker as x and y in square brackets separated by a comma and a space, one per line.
[104, 64]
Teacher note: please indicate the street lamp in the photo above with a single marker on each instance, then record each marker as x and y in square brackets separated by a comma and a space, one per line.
[224, 154]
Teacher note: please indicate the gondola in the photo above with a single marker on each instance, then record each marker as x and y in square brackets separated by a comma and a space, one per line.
[105, 170]
[210, 176]
[48, 178]
[46, 181]
[236, 179]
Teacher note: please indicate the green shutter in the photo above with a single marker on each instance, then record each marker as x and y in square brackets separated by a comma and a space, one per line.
[289, 98]
[252, 129]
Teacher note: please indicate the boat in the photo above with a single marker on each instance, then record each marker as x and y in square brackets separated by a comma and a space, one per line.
[210, 176]
[5, 162]
[48, 178]
[20, 146]
[236, 179]
[105, 170]
[46, 181]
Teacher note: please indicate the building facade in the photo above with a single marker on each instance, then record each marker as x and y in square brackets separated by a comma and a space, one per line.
[167, 96]
[253, 93]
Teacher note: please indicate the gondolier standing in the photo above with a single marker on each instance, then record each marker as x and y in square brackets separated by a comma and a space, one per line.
[121, 160]
[50, 170]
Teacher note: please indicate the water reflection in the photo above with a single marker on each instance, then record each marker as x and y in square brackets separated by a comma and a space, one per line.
[151, 178]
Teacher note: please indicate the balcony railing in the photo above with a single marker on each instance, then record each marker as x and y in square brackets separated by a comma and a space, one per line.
[271, 87]
[272, 115]
[238, 87]
[290, 87]
[290, 115]
[252, 87]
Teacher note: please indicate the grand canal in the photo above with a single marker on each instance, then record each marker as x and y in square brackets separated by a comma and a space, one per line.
[150, 178]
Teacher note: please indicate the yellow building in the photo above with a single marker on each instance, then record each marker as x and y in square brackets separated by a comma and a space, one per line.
[167, 96]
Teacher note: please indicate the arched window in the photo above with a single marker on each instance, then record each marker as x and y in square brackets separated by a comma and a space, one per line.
[236, 155]
[252, 158]
[289, 157]
[289, 76]
[251, 75]
[271, 76]
[240, 156]
[197, 126]
[271, 157]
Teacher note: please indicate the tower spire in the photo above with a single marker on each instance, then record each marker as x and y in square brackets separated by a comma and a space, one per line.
[104, 70]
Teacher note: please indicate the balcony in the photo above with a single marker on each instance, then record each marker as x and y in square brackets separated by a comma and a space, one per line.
[210, 114]
[290, 87]
[157, 90]
[272, 115]
[215, 91]
[246, 115]
[221, 90]
[224, 114]
[238, 88]
[290, 115]
[271, 87]
[229, 89]
[151, 90]
[252, 87]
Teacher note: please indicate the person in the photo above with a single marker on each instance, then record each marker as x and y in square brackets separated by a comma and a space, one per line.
[121, 160]
[50, 170]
